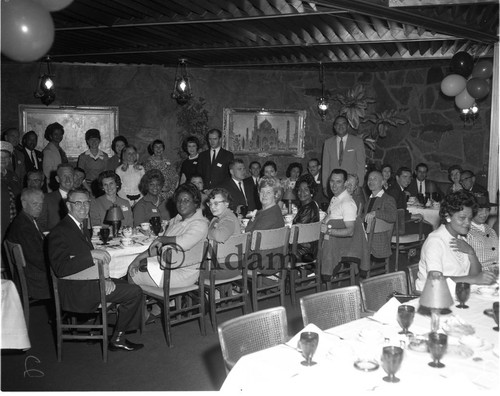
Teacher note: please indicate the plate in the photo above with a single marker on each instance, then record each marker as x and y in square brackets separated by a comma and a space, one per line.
[459, 351]
[419, 344]
[455, 327]
[366, 365]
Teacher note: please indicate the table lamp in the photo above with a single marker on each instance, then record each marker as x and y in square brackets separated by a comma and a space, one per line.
[114, 215]
[289, 196]
[436, 296]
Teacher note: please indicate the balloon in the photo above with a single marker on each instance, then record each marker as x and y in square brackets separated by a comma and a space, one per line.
[478, 88]
[453, 84]
[54, 5]
[462, 63]
[27, 30]
[483, 69]
[463, 100]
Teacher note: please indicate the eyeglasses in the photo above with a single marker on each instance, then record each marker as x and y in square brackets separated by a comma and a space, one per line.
[215, 203]
[465, 178]
[80, 204]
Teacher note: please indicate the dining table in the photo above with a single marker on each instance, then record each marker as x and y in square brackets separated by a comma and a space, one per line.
[468, 368]
[430, 214]
[14, 330]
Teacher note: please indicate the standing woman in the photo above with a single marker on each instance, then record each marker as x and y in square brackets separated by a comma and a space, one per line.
[93, 161]
[151, 204]
[131, 173]
[188, 167]
[53, 154]
[117, 145]
[157, 160]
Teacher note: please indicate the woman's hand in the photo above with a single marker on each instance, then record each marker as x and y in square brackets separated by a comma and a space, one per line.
[485, 278]
[138, 167]
[124, 167]
[459, 245]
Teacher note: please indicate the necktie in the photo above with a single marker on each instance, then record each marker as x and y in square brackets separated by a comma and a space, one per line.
[213, 156]
[36, 225]
[341, 151]
[243, 192]
[420, 187]
[369, 209]
[33, 159]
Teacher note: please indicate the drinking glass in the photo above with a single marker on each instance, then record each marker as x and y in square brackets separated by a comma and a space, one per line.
[155, 224]
[308, 344]
[462, 290]
[392, 356]
[495, 314]
[420, 198]
[438, 343]
[243, 210]
[406, 313]
[104, 235]
[436, 197]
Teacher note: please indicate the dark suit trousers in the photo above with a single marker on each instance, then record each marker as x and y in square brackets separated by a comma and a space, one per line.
[129, 311]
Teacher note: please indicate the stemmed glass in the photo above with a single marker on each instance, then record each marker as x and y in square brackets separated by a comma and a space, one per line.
[155, 224]
[436, 197]
[495, 314]
[406, 313]
[308, 344]
[104, 235]
[438, 344]
[392, 356]
[462, 290]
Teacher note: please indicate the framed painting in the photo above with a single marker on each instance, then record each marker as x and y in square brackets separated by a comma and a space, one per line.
[76, 120]
[264, 132]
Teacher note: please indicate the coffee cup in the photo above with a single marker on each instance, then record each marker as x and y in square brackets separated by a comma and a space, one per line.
[96, 230]
[127, 241]
[244, 222]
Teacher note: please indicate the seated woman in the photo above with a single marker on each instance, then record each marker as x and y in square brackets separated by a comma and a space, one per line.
[185, 231]
[446, 250]
[109, 183]
[454, 173]
[305, 188]
[151, 204]
[482, 238]
[387, 175]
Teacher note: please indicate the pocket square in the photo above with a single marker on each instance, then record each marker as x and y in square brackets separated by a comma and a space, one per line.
[350, 150]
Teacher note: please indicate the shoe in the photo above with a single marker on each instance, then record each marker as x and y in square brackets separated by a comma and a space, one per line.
[124, 345]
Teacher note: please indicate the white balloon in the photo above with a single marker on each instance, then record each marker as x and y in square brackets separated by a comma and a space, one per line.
[54, 5]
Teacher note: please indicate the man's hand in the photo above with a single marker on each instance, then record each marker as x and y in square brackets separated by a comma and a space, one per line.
[110, 286]
[370, 216]
[102, 255]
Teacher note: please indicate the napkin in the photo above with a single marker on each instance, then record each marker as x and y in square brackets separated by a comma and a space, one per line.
[310, 327]
[388, 313]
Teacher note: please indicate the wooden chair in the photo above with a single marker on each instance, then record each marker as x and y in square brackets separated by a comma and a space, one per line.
[65, 331]
[262, 242]
[251, 333]
[378, 267]
[231, 254]
[412, 272]
[331, 308]
[304, 275]
[189, 300]
[402, 243]
[377, 290]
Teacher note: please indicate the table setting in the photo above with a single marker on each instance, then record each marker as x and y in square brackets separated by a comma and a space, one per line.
[429, 210]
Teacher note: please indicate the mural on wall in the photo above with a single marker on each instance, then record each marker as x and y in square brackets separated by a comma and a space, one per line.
[264, 132]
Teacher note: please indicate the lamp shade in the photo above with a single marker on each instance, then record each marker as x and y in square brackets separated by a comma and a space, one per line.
[114, 214]
[436, 293]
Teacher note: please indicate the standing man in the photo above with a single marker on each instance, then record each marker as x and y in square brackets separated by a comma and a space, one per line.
[254, 169]
[314, 168]
[344, 151]
[240, 189]
[71, 251]
[32, 157]
[213, 164]
[420, 185]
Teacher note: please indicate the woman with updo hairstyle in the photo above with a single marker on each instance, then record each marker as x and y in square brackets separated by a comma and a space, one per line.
[117, 145]
[454, 173]
[190, 145]
[446, 250]
[224, 223]
[270, 216]
[109, 183]
[53, 154]
[152, 204]
[93, 161]
[159, 161]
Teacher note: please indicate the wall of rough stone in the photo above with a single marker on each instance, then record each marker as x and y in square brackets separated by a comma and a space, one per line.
[434, 134]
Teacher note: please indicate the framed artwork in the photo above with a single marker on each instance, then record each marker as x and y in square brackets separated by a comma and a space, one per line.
[76, 121]
[264, 132]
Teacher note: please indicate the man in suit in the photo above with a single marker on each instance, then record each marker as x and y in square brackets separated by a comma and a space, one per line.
[468, 182]
[36, 179]
[240, 189]
[254, 177]
[24, 230]
[420, 185]
[314, 168]
[71, 251]
[344, 151]
[32, 157]
[213, 164]
[54, 206]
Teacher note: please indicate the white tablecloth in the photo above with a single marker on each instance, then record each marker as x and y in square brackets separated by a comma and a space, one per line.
[14, 331]
[431, 215]
[278, 369]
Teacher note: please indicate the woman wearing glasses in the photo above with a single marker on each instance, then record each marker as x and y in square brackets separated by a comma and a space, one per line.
[225, 223]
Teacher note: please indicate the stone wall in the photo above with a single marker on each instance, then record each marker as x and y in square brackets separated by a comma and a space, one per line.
[434, 134]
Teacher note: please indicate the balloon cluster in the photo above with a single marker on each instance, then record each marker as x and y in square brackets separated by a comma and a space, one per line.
[468, 82]
[27, 27]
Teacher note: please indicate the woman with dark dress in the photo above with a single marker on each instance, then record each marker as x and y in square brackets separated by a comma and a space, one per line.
[117, 145]
[188, 167]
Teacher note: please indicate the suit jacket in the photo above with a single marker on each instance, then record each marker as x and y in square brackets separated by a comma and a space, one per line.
[69, 253]
[18, 166]
[24, 232]
[214, 174]
[385, 209]
[29, 165]
[255, 190]
[237, 196]
[54, 209]
[353, 160]
[478, 190]
[319, 197]
[429, 186]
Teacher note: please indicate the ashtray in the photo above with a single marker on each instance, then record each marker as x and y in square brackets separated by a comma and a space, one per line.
[366, 365]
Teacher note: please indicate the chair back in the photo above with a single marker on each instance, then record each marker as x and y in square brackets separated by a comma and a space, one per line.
[232, 251]
[412, 271]
[305, 233]
[376, 291]
[270, 239]
[251, 333]
[173, 256]
[331, 308]
[17, 265]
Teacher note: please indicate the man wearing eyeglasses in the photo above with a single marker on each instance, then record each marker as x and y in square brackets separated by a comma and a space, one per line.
[468, 182]
[70, 252]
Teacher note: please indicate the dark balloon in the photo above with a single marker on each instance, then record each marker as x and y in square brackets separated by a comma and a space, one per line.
[462, 63]
[483, 69]
[478, 88]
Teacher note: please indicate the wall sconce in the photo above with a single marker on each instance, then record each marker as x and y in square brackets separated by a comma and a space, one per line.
[45, 86]
[182, 89]
[323, 100]
[469, 115]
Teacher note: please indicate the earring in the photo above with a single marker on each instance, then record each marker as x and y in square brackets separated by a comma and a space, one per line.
[448, 219]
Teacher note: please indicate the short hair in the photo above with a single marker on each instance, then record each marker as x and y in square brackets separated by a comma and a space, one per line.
[25, 137]
[340, 116]
[117, 139]
[338, 171]
[386, 166]
[196, 175]
[221, 191]
[35, 172]
[191, 189]
[309, 180]
[294, 165]
[108, 174]
[8, 131]
[468, 172]
[50, 130]
[235, 161]
[270, 163]
[190, 139]
[29, 192]
[214, 130]
[151, 146]
[455, 202]
[79, 190]
[150, 175]
[353, 175]
[63, 166]
[402, 169]
[92, 133]
[421, 164]
[270, 181]
[375, 171]
[454, 167]
[314, 159]
[78, 169]
[254, 162]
